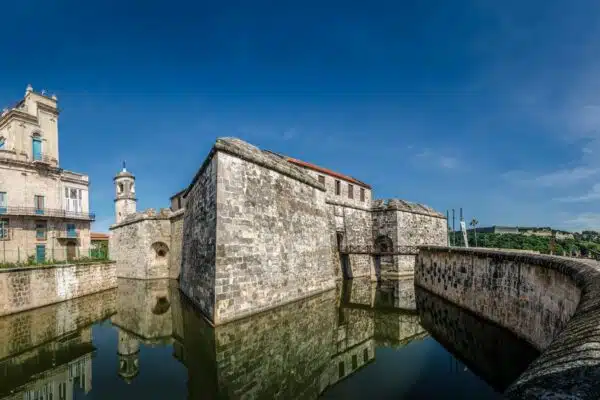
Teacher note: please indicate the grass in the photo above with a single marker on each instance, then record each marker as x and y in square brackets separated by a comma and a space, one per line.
[32, 263]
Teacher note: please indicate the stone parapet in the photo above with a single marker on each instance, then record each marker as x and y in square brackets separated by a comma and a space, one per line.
[402, 205]
[253, 154]
[552, 302]
[28, 288]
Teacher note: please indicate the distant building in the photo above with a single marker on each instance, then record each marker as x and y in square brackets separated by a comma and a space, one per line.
[524, 230]
[44, 209]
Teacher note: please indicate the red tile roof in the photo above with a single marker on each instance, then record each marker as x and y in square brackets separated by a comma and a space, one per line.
[99, 236]
[326, 171]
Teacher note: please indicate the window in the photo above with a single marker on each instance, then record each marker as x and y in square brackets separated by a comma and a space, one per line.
[3, 201]
[341, 369]
[3, 228]
[120, 188]
[2, 143]
[40, 230]
[362, 194]
[71, 231]
[39, 204]
[350, 191]
[72, 200]
[36, 144]
[338, 188]
[354, 361]
[366, 355]
[321, 179]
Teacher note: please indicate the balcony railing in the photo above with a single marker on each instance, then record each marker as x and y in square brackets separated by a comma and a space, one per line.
[68, 234]
[375, 250]
[46, 212]
[42, 159]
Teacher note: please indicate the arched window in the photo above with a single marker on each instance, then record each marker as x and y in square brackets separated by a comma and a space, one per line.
[36, 144]
[120, 188]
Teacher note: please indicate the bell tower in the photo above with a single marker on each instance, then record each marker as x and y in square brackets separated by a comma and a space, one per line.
[128, 352]
[125, 201]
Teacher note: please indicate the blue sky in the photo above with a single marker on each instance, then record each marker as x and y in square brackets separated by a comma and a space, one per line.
[486, 105]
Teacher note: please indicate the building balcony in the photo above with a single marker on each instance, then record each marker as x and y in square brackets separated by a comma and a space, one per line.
[68, 234]
[43, 159]
[46, 212]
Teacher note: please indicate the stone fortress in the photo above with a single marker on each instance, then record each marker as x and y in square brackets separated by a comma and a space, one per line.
[256, 229]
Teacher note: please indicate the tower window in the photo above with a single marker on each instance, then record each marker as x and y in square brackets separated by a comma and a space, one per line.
[338, 188]
[362, 194]
[120, 187]
[322, 179]
[350, 191]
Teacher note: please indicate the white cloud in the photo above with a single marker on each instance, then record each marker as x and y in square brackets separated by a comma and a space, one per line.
[448, 162]
[583, 221]
[561, 177]
[437, 159]
[592, 194]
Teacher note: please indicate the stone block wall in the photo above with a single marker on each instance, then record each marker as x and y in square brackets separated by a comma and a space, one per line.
[198, 256]
[176, 244]
[416, 229]
[270, 243]
[254, 234]
[27, 288]
[133, 244]
[358, 232]
[515, 291]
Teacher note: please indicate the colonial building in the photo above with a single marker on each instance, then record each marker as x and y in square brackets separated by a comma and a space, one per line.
[44, 209]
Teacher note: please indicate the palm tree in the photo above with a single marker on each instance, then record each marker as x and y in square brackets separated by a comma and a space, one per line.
[474, 224]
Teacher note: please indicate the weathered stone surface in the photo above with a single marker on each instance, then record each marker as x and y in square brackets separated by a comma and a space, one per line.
[268, 234]
[198, 257]
[176, 244]
[492, 352]
[27, 288]
[136, 243]
[507, 288]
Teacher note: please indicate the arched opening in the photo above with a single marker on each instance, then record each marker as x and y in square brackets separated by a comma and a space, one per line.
[161, 252]
[162, 306]
[384, 259]
[120, 188]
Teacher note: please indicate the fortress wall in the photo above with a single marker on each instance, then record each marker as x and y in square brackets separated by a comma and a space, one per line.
[131, 243]
[32, 287]
[176, 245]
[272, 246]
[551, 302]
[254, 234]
[198, 256]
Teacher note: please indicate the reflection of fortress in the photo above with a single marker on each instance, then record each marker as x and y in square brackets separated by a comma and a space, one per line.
[298, 350]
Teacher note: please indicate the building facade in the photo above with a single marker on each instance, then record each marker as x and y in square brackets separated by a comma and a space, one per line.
[44, 209]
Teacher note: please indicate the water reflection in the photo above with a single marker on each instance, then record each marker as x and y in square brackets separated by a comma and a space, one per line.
[46, 353]
[311, 348]
[492, 352]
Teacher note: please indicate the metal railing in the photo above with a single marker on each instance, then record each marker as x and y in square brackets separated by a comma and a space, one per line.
[46, 253]
[46, 212]
[67, 234]
[370, 249]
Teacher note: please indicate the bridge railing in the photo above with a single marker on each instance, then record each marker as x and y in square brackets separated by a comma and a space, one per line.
[374, 250]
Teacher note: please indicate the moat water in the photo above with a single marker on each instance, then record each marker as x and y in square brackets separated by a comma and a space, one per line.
[362, 340]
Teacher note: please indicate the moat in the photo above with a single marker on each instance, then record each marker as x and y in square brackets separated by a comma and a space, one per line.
[361, 340]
